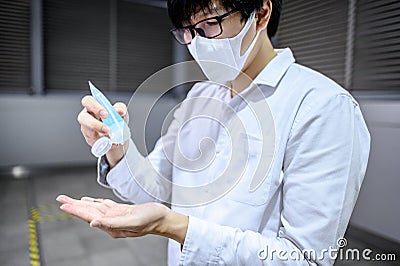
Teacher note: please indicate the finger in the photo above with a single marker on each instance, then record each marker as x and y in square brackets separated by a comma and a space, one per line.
[107, 202]
[92, 114]
[86, 198]
[81, 212]
[121, 108]
[92, 106]
[88, 121]
[64, 199]
[89, 133]
[95, 223]
[91, 141]
[84, 210]
[107, 223]
[90, 199]
[96, 204]
[90, 136]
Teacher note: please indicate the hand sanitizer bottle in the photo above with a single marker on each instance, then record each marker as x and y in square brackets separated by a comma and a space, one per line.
[119, 130]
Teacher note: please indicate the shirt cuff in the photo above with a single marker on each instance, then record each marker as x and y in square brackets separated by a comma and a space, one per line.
[121, 169]
[103, 168]
[204, 252]
[124, 168]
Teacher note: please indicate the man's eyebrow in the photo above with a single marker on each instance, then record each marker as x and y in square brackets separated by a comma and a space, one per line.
[207, 11]
[211, 11]
[218, 11]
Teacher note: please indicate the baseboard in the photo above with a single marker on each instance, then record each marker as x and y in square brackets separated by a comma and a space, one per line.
[32, 171]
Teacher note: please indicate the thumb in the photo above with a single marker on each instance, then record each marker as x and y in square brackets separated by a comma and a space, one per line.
[106, 223]
[95, 223]
[121, 109]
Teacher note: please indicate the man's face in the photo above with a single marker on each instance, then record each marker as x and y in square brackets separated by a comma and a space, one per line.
[231, 25]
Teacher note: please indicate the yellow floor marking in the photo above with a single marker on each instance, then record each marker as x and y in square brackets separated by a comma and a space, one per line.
[42, 213]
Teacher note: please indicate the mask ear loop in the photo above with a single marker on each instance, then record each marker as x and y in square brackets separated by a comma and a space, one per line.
[253, 42]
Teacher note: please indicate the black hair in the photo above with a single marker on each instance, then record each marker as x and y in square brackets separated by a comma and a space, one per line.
[180, 11]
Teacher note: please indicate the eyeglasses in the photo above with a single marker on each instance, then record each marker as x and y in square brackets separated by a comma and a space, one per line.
[208, 28]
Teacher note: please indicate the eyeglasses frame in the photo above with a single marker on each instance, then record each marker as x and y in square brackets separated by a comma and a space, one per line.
[192, 28]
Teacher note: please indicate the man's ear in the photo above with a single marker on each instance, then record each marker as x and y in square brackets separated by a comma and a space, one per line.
[264, 15]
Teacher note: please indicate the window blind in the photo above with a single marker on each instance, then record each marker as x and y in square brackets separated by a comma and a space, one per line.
[15, 61]
[76, 43]
[316, 32]
[377, 45]
[116, 44]
[144, 44]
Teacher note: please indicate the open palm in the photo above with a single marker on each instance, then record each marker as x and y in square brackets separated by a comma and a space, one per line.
[118, 220]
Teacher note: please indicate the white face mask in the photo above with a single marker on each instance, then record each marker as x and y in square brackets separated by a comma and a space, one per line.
[225, 52]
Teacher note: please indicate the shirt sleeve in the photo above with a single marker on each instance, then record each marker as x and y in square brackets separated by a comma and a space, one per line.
[139, 179]
[324, 165]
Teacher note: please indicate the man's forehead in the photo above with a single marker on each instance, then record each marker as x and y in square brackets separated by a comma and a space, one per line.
[215, 9]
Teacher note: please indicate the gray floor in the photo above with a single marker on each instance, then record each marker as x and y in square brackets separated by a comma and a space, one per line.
[64, 240]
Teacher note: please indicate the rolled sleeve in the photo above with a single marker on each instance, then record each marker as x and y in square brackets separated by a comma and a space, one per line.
[204, 252]
[212, 244]
[121, 171]
[121, 168]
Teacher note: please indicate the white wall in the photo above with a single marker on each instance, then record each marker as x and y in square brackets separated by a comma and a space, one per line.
[42, 130]
[378, 206]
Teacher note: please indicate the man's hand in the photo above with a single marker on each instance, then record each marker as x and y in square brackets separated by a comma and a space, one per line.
[124, 220]
[92, 128]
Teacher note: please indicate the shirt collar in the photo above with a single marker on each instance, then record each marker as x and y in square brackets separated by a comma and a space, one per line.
[269, 76]
[276, 68]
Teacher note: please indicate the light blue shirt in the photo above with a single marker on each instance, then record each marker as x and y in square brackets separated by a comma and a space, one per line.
[276, 171]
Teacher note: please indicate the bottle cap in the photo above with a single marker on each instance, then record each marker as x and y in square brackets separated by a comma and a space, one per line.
[101, 146]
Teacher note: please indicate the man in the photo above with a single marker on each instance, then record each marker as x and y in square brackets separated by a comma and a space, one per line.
[301, 197]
